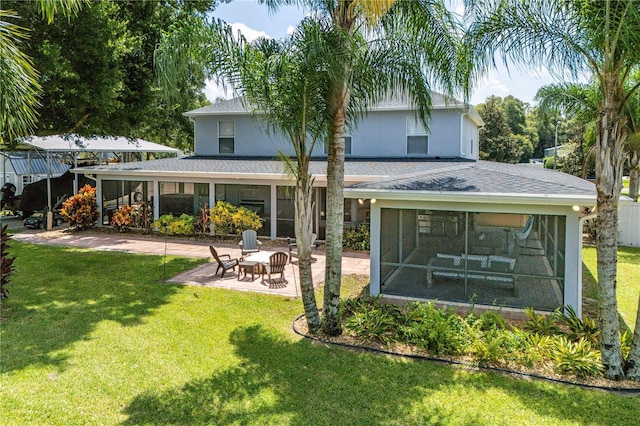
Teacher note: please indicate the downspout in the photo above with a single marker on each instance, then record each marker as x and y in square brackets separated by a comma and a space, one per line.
[591, 215]
[462, 154]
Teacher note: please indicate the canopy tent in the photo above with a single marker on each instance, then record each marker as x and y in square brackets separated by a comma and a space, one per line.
[100, 147]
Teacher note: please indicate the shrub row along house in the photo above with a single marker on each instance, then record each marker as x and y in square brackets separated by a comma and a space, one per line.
[444, 225]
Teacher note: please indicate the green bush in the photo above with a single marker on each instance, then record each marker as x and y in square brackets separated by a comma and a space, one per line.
[228, 219]
[357, 238]
[546, 325]
[575, 357]
[183, 225]
[244, 219]
[435, 330]
[6, 263]
[584, 328]
[372, 324]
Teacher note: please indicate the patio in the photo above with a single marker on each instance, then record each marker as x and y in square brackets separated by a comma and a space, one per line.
[352, 262]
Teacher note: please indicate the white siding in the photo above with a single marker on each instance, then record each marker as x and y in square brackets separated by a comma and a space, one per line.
[629, 224]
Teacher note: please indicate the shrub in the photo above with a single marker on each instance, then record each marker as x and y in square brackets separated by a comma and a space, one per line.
[123, 218]
[142, 216]
[584, 328]
[227, 219]
[6, 263]
[496, 346]
[244, 219]
[201, 225]
[183, 225]
[372, 324]
[541, 324]
[81, 210]
[575, 357]
[434, 330]
[221, 216]
[357, 238]
[491, 320]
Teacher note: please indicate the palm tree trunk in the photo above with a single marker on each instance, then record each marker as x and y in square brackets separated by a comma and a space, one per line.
[632, 365]
[633, 182]
[609, 169]
[331, 323]
[303, 226]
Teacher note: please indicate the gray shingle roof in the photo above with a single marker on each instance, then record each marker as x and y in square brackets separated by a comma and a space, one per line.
[426, 175]
[239, 106]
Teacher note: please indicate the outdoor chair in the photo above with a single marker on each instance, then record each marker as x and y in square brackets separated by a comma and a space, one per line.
[521, 235]
[250, 242]
[276, 265]
[225, 265]
[293, 246]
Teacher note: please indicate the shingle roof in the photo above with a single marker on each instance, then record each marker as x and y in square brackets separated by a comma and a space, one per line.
[424, 175]
[485, 177]
[239, 106]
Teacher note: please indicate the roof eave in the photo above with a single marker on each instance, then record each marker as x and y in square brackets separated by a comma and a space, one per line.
[473, 197]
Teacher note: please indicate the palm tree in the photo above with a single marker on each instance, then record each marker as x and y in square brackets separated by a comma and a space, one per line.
[600, 37]
[581, 101]
[366, 50]
[381, 48]
[283, 84]
[18, 78]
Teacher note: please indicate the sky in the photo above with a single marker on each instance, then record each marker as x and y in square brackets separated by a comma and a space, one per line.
[254, 21]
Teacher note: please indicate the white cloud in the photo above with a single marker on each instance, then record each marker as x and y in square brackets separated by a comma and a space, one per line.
[249, 33]
[488, 86]
[214, 91]
[290, 29]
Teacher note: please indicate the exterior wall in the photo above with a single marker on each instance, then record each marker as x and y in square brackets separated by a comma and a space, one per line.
[573, 244]
[469, 142]
[379, 134]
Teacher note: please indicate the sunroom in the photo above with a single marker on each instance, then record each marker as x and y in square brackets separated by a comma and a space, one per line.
[450, 236]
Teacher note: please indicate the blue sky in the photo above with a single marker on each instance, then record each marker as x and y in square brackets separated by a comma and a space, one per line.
[254, 20]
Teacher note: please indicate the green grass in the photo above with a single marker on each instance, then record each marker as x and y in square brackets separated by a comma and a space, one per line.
[628, 286]
[97, 338]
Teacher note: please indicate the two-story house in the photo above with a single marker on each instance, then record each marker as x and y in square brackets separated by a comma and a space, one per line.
[444, 225]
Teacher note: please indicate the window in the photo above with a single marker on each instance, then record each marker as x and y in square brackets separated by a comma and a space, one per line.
[226, 137]
[417, 138]
[27, 179]
[347, 146]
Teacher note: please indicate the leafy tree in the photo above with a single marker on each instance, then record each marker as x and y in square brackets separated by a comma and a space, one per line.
[99, 74]
[600, 37]
[19, 85]
[496, 143]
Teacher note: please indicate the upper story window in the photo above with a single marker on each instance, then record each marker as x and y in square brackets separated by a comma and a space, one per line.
[347, 146]
[226, 137]
[417, 138]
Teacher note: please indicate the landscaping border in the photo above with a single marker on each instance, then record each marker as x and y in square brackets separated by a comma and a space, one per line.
[503, 371]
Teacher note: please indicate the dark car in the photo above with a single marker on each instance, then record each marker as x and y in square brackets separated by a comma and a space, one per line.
[38, 220]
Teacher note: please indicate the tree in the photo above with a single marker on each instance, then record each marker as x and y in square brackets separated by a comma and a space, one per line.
[366, 51]
[379, 48]
[284, 84]
[601, 37]
[99, 73]
[496, 143]
[19, 85]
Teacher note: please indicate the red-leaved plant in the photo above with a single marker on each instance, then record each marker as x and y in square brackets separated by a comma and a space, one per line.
[6, 264]
[81, 210]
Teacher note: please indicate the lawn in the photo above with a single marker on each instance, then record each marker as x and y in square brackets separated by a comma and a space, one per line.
[97, 338]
